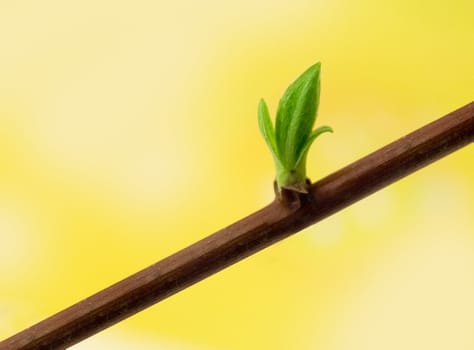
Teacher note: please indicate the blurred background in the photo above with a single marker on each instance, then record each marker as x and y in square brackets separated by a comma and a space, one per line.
[128, 130]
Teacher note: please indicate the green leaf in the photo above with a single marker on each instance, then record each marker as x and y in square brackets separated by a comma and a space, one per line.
[296, 115]
[309, 142]
[266, 127]
[292, 137]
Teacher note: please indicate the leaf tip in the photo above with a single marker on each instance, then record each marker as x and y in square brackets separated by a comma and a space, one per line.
[313, 70]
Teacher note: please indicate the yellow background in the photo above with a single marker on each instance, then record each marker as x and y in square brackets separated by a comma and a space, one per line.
[128, 130]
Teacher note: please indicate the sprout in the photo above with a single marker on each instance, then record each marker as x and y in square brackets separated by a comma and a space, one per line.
[290, 140]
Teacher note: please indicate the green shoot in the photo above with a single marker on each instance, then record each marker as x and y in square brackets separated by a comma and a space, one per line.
[290, 140]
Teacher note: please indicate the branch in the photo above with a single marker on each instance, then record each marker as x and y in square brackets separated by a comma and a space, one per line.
[274, 222]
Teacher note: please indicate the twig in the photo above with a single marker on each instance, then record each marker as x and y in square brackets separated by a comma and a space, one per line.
[249, 235]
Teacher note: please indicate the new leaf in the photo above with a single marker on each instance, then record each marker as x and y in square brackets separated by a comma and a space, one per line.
[292, 137]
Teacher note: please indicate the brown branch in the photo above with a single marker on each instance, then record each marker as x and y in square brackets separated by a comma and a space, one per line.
[249, 235]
